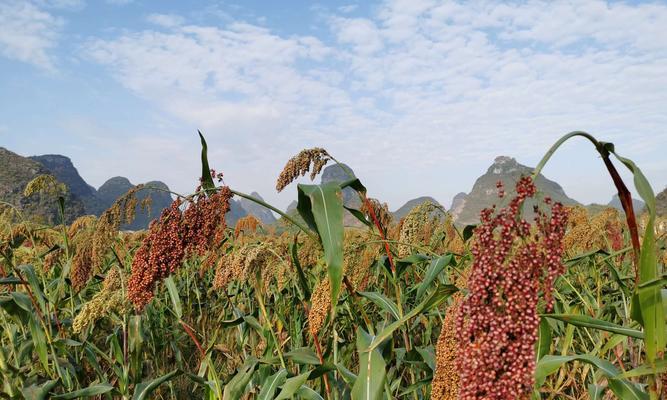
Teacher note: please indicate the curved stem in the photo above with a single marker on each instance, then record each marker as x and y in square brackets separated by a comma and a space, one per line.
[272, 208]
[623, 193]
[556, 145]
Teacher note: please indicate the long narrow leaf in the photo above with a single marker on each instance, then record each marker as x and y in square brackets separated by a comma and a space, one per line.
[370, 381]
[590, 322]
[321, 206]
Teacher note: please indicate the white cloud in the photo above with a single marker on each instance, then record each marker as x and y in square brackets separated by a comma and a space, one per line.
[119, 2]
[348, 8]
[61, 4]
[418, 84]
[27, 33]
[165, 20]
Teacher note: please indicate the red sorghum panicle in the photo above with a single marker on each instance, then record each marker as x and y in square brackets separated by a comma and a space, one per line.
[498, 320]
[175, 235]
[160, 254]
[203, 219]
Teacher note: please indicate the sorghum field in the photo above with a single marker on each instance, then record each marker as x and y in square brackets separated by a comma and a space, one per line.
[542, 301]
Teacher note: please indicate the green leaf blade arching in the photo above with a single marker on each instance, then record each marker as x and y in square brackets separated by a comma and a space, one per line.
[543, 343]
[434, 269]
[271, 385]
[235, 388]
[92, 390]
[144, 389]
[650, 298]
[292, 385]
[383, 302]
[321, 206]
[622, 388]
[173, 295]
[370, 380]
[590, 322]
[206, 178]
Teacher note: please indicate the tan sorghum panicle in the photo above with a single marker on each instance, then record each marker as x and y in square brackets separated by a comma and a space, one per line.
[394, 230]
[17, 230]
[46, 184]
[300, 164]
[246, 264]
[247, 224]
[146, 204]
[320, 304]
[413, 227]
[445, 384]
[82, 223]
[231, 267]
[82, 262]
[358, 260]
[309, 252]
[221, 279]
[601, 231]
[256, 262]
[106, 228]
[453, 241]
[52, 259]
[381, 211]
[108, 300]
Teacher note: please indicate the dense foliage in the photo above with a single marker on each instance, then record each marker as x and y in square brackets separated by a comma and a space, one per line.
[563, 305]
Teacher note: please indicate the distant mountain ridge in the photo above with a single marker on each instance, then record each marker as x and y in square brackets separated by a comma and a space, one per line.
[263, 214]
[62, 168]
[81, 199]
[484, 193]
[15, 173]
[410, 204]
[661, 203]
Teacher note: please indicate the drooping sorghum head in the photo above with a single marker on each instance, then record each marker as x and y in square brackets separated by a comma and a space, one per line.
[176, 234]
[300, 164]
[106, 227]
[513, 261]
[160, 254]
[380, 210]
[603, 230]
[108, 300]
[417, 227]
[247, 224]
[319, 307]
[203, 219]
[445, 384]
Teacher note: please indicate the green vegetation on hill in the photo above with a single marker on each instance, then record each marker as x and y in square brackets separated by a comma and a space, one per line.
[15, 173]
[409, 205]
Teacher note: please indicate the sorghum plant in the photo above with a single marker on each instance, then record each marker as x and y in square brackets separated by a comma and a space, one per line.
[513, 262]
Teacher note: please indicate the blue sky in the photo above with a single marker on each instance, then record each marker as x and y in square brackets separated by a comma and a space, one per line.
[417, 96]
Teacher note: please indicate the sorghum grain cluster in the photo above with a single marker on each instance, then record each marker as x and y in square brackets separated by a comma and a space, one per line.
[300, 164]
[174, 236]
[497, 324]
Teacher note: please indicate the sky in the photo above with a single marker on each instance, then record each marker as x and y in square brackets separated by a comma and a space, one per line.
[417, 96]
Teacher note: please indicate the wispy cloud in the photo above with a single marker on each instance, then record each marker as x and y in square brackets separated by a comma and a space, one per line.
[417, 83]
[28, 33]
[119, 2]
[165, 20]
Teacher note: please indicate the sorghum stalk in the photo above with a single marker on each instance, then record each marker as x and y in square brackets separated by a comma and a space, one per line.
[623, 193]
[259, 294]
[272, 208]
